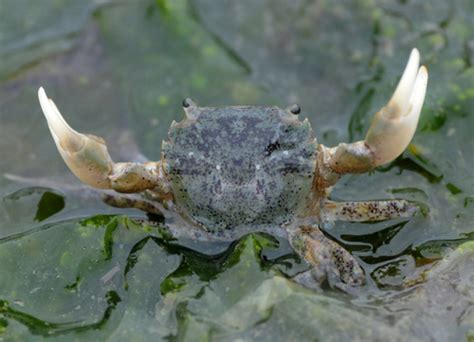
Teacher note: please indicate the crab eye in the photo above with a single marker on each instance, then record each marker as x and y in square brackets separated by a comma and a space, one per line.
[295, 109]
[190, 108]
[187, 103]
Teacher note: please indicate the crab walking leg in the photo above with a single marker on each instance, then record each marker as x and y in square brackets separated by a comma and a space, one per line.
[133, 201]
[330, 262]
[366, 211]
[87, 157]
[392, 128]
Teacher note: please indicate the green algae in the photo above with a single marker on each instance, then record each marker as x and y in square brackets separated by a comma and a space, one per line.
[70, 268]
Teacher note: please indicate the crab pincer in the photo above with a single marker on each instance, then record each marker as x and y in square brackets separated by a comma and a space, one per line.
[394, 125]
[87, 157]
[392, 128]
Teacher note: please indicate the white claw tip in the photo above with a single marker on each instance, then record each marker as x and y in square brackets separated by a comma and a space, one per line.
[402, 93]
[64, 136]
[395, 125]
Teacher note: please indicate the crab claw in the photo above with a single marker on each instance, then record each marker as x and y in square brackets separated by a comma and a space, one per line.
[394, 125]
[85, 155]
[390, 132]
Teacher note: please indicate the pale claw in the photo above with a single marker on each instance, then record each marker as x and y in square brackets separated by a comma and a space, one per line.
[85, 155]
[389, 134]
[395, 124]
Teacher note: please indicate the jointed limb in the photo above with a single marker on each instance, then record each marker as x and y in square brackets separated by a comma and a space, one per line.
[330, 262]
[89, 160]
[366, 210]
[389, 135]
[133, 201]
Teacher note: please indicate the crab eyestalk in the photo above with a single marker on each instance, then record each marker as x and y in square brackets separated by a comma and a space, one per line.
[392, 128]
[87, 157]
[190, 108]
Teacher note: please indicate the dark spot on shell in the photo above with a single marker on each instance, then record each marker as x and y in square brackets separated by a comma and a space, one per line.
[272, 147]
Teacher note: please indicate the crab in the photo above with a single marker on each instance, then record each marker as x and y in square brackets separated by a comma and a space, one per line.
[228, 171]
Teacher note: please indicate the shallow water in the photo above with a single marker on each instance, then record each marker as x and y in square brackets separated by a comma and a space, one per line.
[72, 267]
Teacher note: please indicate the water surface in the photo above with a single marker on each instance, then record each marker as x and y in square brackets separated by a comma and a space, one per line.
[71, 267]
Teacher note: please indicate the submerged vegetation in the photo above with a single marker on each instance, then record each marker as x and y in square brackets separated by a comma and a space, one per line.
[72, 266]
